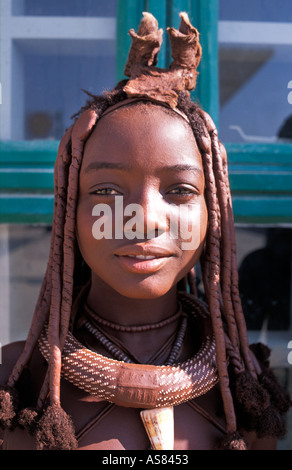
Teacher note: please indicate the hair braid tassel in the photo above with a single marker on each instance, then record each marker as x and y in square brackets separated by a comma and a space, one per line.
[8, 406]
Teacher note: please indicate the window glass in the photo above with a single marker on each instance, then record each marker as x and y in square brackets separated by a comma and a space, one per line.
[64, 7]
[255, 10]
[265, 268]
[51, 51]
[24, 253]
[255, 49]
[48, 110]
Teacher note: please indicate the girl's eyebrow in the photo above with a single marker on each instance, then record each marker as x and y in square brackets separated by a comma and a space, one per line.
[106, 165]
[120, 166]
[184, 167]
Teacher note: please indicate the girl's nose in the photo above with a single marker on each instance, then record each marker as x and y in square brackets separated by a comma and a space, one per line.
[151, 219]
[156, 219]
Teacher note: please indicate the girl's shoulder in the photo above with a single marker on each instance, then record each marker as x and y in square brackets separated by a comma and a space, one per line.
[31, 377]
[8, 357]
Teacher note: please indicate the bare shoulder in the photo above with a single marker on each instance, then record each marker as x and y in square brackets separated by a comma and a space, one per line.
[9, 355]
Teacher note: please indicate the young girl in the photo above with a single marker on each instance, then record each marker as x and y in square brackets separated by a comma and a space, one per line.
[123, 352]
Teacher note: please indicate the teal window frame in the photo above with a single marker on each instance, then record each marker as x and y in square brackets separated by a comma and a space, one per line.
[260, 174]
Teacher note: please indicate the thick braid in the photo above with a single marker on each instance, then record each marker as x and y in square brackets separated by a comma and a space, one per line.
[61, 184]
[69, 181]
[67, 189]
[80, 134]
[214, 296]
[226, 261]
[224, 219]
[221, 158]
[68, 243]
[229, 281]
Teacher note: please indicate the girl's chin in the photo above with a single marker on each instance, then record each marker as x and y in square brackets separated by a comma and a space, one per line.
[147, 288]
[143, 293]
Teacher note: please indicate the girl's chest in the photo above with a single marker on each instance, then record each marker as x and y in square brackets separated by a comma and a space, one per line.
[101, 425]
[105, 426]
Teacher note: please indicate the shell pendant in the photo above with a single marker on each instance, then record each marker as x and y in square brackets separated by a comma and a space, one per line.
[159, 425]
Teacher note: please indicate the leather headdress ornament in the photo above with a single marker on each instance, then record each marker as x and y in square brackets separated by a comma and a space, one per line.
[162, 85]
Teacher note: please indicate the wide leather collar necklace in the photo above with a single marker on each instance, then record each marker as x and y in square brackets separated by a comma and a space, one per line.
[142, 385]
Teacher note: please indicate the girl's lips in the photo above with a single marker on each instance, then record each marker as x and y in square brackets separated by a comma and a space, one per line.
[143, 264]
[145, 250]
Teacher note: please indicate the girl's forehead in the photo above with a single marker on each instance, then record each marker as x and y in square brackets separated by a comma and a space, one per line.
[148, 110]
[145, 137]
[142, 125]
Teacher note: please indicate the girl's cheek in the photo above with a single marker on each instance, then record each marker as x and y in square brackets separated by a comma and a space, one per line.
[192, 226]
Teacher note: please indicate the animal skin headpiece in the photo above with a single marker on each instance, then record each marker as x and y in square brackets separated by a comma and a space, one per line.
[162, 85]
[150, 83]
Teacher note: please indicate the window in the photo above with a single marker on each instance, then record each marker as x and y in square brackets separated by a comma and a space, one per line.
[255, 39]
[50, 52]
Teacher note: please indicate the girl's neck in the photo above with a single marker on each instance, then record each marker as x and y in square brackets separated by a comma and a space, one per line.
[116, 308]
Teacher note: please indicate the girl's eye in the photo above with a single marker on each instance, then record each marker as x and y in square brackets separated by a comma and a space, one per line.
[183, 191]
[106, 192]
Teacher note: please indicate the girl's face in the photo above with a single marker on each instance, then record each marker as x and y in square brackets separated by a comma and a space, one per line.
[141, 216]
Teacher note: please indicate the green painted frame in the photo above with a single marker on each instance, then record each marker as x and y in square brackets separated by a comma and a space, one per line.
[260, 179]
[261, 183]
[260, 175]
[27, 181]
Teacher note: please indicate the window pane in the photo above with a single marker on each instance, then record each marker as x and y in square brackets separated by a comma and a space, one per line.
[255, 10]
[265, 268]
[49, 59]
[48, 109]
[255, 49]
[64, 7]
[24, 252]
[264, 265]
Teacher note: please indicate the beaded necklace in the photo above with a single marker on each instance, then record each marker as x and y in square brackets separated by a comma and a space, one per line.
[93, 321]
[133, 328]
